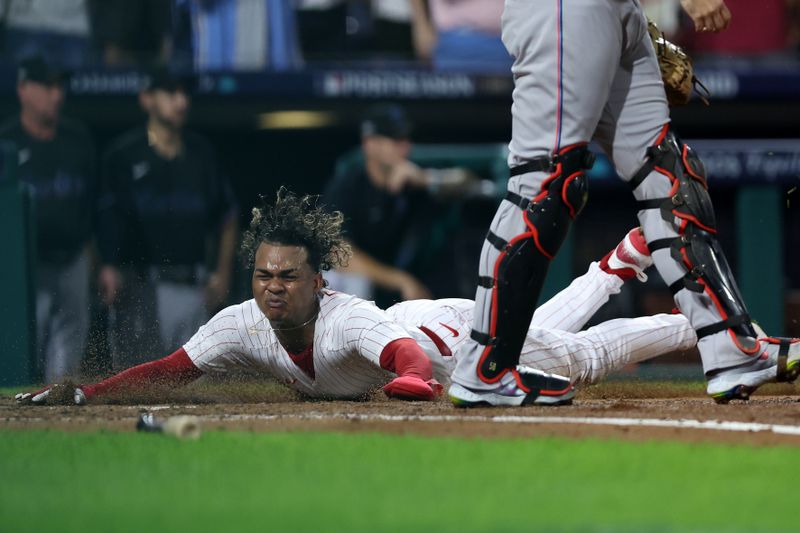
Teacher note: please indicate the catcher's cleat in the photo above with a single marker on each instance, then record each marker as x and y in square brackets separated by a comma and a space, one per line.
[779, 362]
[521, 386]
[630, 258]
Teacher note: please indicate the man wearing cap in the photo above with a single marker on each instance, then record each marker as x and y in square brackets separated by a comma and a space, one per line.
[384, 202]
[56, 159]
[168, 227]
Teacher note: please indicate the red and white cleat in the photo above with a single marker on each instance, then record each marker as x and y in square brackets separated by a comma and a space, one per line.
[630, 258]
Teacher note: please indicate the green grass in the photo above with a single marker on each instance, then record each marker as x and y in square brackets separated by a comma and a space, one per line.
[11, 391]
[237, 481]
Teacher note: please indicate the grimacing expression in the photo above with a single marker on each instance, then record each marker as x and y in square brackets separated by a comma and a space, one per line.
[285, 286]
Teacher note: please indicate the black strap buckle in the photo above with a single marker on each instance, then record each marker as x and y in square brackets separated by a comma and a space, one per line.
[537, 164]
[579, 157]
[516, 199]
[498, 242]
[487, 282]
[482, 338]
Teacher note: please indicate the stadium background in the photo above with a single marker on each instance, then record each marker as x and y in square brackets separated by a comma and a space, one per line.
[291, 127]
[269, 461]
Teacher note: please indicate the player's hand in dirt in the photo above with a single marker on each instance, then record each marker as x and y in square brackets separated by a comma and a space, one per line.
[412, 388]
[58, 394]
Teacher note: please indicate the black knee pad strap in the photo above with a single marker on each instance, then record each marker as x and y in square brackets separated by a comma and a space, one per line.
[729, 323]
[498, 242]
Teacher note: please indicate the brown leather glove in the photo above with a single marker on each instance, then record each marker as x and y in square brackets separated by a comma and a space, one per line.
[676, 67]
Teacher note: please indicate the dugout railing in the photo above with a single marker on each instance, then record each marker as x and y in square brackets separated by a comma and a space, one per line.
[18, 274]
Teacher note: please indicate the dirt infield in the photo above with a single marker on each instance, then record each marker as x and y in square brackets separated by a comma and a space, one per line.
[627, 410]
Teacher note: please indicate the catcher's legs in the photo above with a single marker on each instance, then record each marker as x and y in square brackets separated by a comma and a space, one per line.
[681, 235]
[680, 227]
[524, 236]
[561, 88]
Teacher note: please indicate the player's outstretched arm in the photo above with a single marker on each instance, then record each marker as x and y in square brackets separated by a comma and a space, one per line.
[57, 394]
[176, 369]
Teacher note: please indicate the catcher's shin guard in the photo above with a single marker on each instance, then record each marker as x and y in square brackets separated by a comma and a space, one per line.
[519, 270]
[701, 266]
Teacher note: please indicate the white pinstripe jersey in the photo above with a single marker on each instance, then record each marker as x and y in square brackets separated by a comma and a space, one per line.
[554, 342]
[351, 333]
[349, 336]
[450, 319]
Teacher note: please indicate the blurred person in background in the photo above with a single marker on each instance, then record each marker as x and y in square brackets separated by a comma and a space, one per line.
[460, 35]
[243, 34]
[56, 159]
[130, 33]
[59, 30]
[169, 227]
[386, 201]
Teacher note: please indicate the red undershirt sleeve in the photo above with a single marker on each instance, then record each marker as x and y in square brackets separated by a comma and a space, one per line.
[404, 357]
[174, 370]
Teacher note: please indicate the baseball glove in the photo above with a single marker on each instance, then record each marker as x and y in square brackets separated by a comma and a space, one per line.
[676, 67]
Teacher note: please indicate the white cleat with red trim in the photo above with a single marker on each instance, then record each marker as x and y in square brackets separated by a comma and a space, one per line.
[630, 258]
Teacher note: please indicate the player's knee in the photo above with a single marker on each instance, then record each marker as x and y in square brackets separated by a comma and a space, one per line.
[673, 181]
[561, 199]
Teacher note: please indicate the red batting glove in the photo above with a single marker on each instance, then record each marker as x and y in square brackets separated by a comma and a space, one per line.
[412, 388]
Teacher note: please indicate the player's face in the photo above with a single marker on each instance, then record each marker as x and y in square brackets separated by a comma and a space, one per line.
[385, 150]
[42, 100]
[285, 286]
[168, 107]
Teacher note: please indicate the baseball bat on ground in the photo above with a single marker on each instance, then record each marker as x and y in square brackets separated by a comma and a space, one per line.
[183, 427]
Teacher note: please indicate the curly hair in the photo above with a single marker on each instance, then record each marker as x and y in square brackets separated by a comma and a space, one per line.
[294, 221]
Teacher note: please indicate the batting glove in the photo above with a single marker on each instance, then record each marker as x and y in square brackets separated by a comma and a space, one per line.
[53, 395]
[412, 388]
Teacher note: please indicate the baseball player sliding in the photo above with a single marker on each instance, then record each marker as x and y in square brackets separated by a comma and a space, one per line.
[328, 344]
